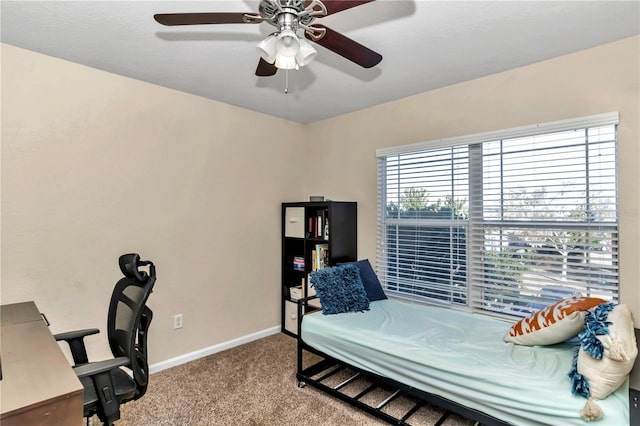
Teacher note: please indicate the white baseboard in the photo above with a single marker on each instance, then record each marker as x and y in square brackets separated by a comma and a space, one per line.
[192, 356]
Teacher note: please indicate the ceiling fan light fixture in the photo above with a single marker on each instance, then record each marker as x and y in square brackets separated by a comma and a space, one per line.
[268, 48]
[306, 53]
[288, 43]
[286, 50]
[286, 62]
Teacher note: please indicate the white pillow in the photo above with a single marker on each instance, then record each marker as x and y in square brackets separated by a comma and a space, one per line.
[620, 351]
[553, 324]
[598, 378]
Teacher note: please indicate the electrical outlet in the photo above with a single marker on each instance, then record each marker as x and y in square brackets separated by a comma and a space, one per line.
[177, 321]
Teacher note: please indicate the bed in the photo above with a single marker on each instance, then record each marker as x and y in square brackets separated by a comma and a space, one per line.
[455, 359]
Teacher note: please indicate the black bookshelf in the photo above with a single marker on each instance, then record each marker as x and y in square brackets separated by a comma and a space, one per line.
[328, 227]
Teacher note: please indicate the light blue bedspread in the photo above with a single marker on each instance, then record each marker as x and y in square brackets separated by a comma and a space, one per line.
[462, 357]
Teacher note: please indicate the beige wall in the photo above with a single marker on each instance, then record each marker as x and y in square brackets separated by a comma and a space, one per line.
[94, 165]
[598, 80]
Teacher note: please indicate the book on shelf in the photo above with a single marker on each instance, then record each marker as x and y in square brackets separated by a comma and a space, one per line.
[318, 225]
[326, 229]
[311, 229]
[298, 263]
[321, 256]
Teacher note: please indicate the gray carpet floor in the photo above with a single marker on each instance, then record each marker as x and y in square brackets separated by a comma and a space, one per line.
[252, 384]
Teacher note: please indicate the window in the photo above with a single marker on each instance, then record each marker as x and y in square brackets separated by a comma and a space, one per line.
[503, 222]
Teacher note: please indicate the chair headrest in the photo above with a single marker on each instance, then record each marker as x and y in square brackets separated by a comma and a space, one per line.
[129, 264]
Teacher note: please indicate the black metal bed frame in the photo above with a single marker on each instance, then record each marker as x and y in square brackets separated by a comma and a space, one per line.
[329, 366]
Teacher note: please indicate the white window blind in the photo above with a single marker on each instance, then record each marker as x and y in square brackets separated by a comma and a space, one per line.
[503, 225]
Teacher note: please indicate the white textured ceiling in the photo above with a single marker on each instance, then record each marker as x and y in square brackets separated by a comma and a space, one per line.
[425, 45]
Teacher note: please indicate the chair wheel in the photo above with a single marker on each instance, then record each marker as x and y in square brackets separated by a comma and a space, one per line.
[301, 384]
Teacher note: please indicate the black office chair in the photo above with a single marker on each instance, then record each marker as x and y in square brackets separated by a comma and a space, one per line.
[106, 384]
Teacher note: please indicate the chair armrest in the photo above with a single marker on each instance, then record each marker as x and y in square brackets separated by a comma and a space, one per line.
[100, 376]
[93, 368]
[75, 340]
[70, 335]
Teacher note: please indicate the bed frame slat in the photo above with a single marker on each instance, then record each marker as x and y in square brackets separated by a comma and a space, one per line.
[366, 391]
[388, 400]
[411, 412]
[346, 382]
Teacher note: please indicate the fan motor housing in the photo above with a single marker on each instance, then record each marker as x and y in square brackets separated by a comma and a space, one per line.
[271, 10]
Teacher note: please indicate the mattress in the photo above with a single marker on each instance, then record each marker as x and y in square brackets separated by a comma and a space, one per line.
[462, 357]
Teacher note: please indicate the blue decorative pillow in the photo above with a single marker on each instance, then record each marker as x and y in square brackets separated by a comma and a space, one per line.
[369, 280]
[340, 289]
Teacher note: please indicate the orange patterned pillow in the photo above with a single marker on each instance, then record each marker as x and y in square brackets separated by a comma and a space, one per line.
[553, 324]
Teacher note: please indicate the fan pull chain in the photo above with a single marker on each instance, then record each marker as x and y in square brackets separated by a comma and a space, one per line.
[286, 81]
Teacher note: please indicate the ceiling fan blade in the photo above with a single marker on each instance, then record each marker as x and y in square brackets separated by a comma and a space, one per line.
[335, 6]
[201, 18]
[345, 47]
[265, 69]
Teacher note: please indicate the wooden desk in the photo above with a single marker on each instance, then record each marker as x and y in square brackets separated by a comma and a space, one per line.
[38, 385]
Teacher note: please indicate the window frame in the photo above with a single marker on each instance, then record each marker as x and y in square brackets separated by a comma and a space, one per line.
[473, 224]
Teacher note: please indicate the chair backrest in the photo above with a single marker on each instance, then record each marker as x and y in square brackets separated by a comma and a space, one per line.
[129, 317]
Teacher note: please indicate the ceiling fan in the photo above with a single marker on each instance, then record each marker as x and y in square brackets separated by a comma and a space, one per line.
[284, 49]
